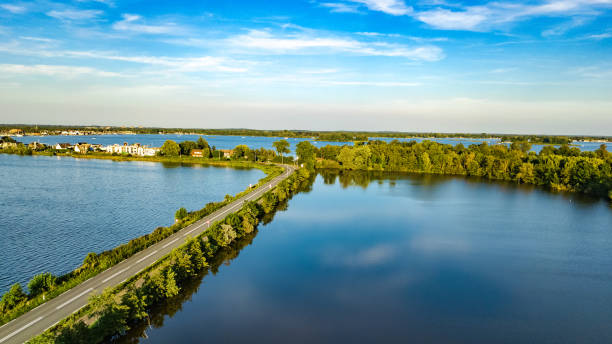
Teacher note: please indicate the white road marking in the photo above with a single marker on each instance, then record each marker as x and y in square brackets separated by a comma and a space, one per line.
[113, 275]
[21, 329]
[170, 243]
[190, 231]
[74, 298]
[147, 256]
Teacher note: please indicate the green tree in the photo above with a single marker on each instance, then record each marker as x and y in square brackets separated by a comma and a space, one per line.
[306, 153]
[282, 147]
[227, 234]
[91, 261]
[13, 297]
[136, 304]
[362, 157]
[41, 283]
[181, 214]
[602, 152]
[187, 146]
[202, 143]
[112, 317]
[240, 151]
[346, 157]
[171, 288]
[170, 148]
[522, 146]
[525, 174]
[425, 162]
[78, 333]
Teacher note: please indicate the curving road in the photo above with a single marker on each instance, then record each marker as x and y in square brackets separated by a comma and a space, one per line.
[50, 313]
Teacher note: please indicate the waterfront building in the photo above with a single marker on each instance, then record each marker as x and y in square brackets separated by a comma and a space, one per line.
[63, 146]
[135, 149]
[82, 147]
[227, 153]
[36, 146]
[198, 153]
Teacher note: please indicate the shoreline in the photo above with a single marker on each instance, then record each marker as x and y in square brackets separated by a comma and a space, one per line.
[78, 275]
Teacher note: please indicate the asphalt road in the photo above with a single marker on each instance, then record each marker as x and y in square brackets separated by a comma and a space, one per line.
[51, 312]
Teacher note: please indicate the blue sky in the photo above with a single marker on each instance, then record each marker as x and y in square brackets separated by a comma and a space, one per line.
[541, 66]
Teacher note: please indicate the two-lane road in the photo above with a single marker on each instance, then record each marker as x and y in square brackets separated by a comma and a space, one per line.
[50, 313]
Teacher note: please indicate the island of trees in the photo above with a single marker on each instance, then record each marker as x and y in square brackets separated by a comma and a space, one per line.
[562, 168]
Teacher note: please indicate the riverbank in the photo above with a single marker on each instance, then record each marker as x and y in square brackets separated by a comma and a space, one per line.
[163, 159]
[118, 308]
[20, 302]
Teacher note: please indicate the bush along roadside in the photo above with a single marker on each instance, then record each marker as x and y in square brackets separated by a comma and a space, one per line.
[113, 312]
[45, 286]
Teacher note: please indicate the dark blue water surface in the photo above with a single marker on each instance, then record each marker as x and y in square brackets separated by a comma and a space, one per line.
[409, 259]
[53, 210]
[229, 142]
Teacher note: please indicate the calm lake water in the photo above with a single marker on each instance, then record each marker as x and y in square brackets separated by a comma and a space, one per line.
[229, 142]
[398, 258]
[53, 210]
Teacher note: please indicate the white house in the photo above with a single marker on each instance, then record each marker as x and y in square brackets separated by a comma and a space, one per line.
[63, 146]
[82, 148]
[135, 149]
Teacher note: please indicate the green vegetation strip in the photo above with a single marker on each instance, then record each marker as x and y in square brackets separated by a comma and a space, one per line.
[44, 287]
[563, 168]
[116, 309]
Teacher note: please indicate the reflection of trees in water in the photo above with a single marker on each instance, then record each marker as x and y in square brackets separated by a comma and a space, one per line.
[509, 187]
[169, 308]
[176, 164]
[363, 179]
[348, 178]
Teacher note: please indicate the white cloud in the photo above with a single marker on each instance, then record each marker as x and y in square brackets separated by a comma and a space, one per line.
[74, 14]
[38, 39]
[599, 36]
[374, 83]
[178, 64]
[493, 14]
[131, 23]
[16, 9]
[397, 35]
[449, 20]
[339, 7]
[109, 3]
[393, 7]
[319, 71]
[503, 70]
[565, 27]
[422, 53]
[184, 64]
[54, 70]
[368, 257]
[593, 72]
[258, 39]
[263, 40]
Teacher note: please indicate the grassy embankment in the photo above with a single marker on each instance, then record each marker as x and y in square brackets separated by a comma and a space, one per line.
[116, 309]
[93, 264]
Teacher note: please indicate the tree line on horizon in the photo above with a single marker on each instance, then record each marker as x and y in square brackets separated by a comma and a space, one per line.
[321, 135]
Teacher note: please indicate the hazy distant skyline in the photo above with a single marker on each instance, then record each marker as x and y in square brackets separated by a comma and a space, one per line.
[541, 66]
